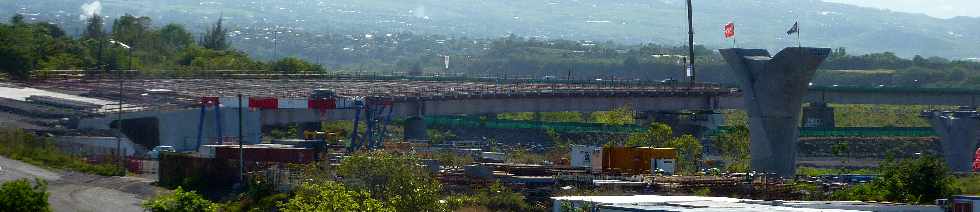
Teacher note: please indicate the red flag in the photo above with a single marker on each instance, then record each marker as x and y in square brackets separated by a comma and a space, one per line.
[729, 30]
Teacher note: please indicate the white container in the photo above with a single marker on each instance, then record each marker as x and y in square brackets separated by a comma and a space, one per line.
[584, 156]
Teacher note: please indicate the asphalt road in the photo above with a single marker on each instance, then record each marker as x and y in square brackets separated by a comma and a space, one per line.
[70, 191]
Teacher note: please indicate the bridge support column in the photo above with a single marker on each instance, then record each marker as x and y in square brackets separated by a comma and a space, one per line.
[645, 118]
[958, 132]
[415, 128]
[773, 91]
[818, 115]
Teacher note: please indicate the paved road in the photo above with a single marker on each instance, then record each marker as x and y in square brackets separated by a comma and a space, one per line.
[72, 191]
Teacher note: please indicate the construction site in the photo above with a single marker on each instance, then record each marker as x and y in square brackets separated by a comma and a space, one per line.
[231, 127]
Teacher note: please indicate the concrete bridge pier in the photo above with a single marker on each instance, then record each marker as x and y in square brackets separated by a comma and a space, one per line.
[773, 89]
[958, 131]
[818, 115]
[415, 128]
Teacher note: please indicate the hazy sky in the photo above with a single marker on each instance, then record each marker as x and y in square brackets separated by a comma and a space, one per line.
[935, 8]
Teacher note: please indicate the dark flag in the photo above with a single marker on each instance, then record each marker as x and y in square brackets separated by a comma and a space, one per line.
[795, 29]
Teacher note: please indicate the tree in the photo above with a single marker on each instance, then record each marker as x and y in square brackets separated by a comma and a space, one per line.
[131, 30]
[16, 63]
[176, 36]
[17, 19]
[733, 144]
[920, 180]
[215, 38]
[394, 179]
[20, 195]
[329, 197]
[416, 69]
[292, 65]
[689, 152]
[93, 28]
[500, 198]
[179, 201]
[657, 135]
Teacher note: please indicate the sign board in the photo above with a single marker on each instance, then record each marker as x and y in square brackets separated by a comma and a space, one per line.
[690, 70]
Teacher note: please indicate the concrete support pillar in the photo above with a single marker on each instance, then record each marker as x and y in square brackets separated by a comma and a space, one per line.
[490, 116]
[818, 115]
[958, 131]
[644, 118]
[773, 91]
[415, 128]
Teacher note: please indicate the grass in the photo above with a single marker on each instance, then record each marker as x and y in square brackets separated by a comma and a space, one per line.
[810, 171]
[22, 146]
[861, 115]
[969, 185]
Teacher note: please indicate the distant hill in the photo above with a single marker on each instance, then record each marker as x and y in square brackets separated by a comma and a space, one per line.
[760, 23]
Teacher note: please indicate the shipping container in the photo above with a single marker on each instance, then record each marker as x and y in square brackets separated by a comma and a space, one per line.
[633, 160]
[268, 153]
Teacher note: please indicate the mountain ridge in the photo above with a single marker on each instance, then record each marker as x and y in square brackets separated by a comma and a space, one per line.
[760, 24]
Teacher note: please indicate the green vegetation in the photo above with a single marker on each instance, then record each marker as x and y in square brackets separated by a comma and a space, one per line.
[733, 144]
[331, 196]
[132, 44]
[393, 179]
[23, 146]
[292, 65]
[810, 171]
[861, 115]
[920, 180]
[20, 195]
[619, 116]
[969, 185]
[179, 201]
[881, 115]
[437, 136]
[657, 135]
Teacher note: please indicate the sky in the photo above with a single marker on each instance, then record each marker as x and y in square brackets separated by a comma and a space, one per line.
[935, 8]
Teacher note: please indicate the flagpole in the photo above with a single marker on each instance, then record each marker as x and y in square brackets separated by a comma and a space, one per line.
[798, 42]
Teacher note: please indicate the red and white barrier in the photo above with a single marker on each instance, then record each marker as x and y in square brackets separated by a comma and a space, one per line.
[272, 103]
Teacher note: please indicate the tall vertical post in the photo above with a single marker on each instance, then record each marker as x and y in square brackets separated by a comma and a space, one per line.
[241, 139]
[119, 120]
[690, 40]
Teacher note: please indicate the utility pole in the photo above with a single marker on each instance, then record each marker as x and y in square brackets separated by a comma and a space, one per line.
[690, 41]
[241, 139]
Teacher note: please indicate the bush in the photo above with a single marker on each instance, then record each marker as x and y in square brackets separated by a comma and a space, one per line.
[179, 201]
[396, 180]
[292, 65]
[969, 185]
[917, 181]
[20, 195]
[331, 196]
[500, 198]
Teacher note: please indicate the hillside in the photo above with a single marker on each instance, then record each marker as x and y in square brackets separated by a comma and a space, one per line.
[760, 23]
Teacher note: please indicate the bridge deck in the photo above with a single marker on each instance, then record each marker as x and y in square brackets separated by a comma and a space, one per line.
[186, 92]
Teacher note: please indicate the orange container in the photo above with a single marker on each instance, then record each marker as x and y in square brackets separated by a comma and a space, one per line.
[633, 160]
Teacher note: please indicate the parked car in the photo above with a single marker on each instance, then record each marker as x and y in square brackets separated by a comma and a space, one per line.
[155, 152]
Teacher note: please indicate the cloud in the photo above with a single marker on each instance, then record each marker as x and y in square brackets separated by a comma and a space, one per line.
[90, 9]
